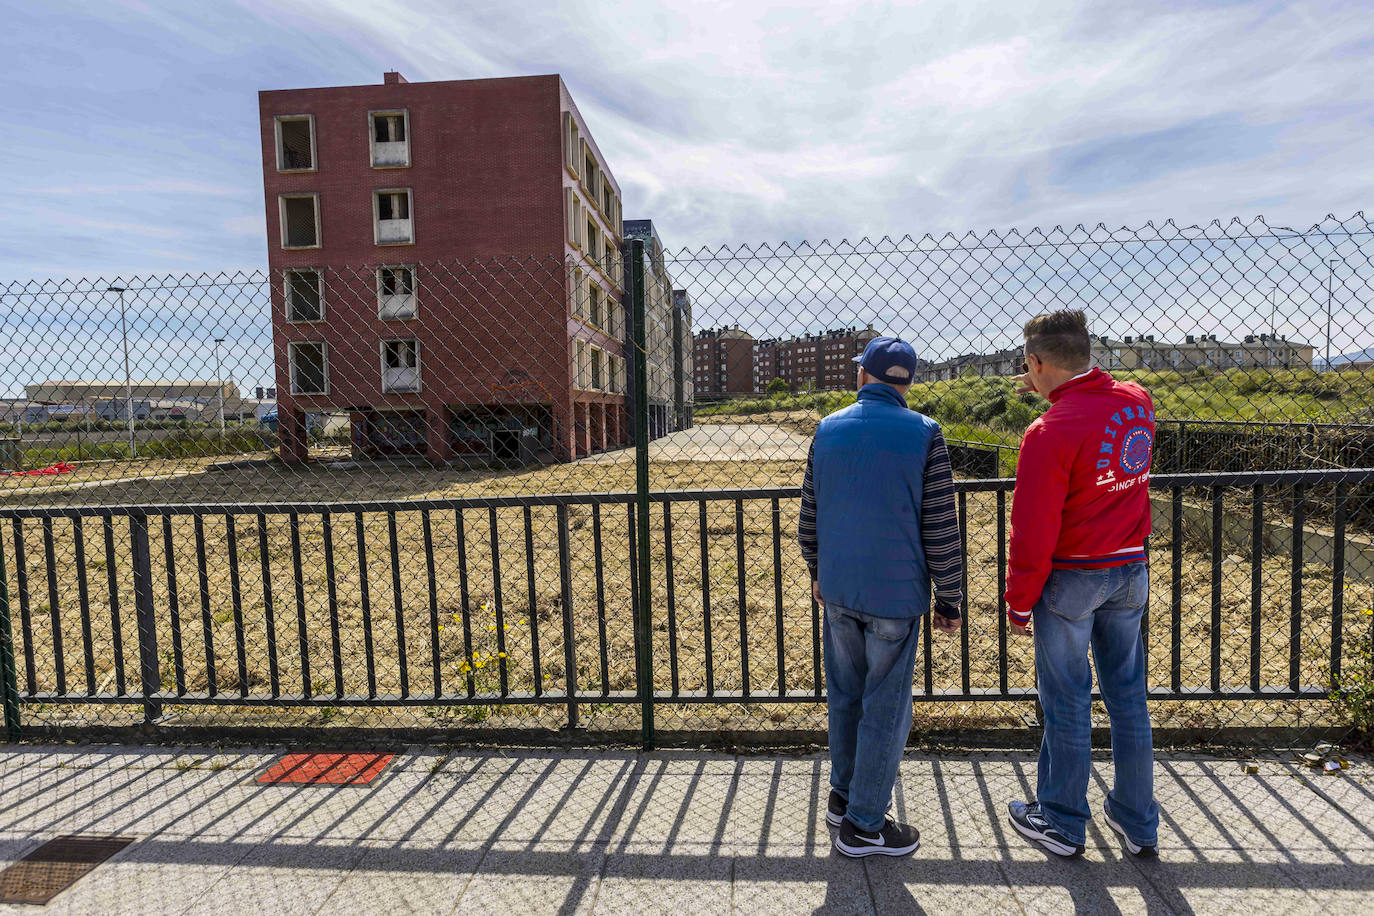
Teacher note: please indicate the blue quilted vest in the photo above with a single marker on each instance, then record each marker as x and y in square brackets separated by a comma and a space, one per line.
[868, 468]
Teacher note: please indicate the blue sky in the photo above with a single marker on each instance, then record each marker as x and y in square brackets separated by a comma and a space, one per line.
[725, 123]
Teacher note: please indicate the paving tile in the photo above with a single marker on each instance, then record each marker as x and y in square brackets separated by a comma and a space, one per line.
[933, 880]
[641, 879]
[671, 808]
[779, 814]
[153, 875]
[1334, 888]
[400, 879]
[296, 877]
[517, 880]
[799, 880]
[1226, 887]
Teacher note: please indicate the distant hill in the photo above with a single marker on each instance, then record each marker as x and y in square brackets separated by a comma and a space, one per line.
[1358, 356]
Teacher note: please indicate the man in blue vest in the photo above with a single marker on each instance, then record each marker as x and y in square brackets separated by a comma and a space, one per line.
[878, 527]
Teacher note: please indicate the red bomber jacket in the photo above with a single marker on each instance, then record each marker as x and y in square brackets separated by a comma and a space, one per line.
[1082, 496]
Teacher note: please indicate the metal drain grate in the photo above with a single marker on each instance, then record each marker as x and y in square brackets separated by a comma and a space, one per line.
[55, 866]
[336, 769]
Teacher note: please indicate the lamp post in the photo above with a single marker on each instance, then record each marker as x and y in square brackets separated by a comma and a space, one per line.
[128, 383]
[219, 385]
[1330, 276]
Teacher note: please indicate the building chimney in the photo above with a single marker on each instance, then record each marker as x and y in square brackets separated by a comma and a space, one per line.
[392, 78]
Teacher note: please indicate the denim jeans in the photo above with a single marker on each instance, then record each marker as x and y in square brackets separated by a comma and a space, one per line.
[1098, 609]
[869, 662]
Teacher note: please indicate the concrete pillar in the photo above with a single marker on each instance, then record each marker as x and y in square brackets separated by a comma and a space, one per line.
[584, 431]
[564, 430]
[438, 448]
[357, 436]
[601, 440]
[291, 433]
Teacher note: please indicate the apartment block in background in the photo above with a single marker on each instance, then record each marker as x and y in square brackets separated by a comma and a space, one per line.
[723, 363]
[814, 362]
[447, 268]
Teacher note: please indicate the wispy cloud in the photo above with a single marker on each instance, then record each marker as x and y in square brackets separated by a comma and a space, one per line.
[724, 122]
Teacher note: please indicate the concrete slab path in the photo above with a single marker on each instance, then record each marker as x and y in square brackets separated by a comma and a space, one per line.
[685, 833]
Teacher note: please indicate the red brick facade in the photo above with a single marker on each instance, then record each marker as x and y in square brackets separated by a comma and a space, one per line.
[494, 315]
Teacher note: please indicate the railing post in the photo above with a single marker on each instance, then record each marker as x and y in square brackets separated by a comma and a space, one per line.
[143, 607]
[644, 645]
[565, 585]
[9, 676]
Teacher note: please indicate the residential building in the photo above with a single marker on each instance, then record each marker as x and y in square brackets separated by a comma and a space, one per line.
[723, 363]
[664, 334]
[447, 269]
[683, 393]
[1255, 351]
[814, 362]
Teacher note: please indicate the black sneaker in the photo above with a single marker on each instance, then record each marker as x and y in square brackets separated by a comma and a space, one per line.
[835, 809]
[1136, 849]
[893, 839]
[1031, 824]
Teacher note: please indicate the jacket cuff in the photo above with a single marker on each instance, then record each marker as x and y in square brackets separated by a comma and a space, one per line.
[1018, 618]
[947, 610]
[815, 570]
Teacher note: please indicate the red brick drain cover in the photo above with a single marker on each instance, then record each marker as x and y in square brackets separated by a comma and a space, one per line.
[328, 769]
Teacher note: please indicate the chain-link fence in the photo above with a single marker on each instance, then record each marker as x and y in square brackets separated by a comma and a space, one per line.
[484, 495]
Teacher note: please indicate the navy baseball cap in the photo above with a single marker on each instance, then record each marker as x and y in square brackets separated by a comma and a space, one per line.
[889, 359]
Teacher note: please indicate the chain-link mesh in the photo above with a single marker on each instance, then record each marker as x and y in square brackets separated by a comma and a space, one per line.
[404, 495]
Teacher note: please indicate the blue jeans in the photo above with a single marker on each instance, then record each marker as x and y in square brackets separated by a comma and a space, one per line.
[869, 662]
[1101, 609]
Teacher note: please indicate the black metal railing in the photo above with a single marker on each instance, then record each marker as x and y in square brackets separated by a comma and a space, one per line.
[348, 604]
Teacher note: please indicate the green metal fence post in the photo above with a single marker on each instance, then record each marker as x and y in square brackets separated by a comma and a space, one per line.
[9, 677]
[644, 650]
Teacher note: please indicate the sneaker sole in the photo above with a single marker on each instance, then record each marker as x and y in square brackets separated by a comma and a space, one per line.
[833, 819]
[1135, 850]
[1054, 846]
[859, 852]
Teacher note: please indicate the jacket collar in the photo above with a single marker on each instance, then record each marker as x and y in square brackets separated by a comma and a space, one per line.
[1094, 379]
[877, 391]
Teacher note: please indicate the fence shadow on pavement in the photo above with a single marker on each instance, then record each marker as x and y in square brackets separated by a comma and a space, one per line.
[618, 831]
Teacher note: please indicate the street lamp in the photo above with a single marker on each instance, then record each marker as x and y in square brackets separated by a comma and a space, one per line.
[1330, 275]
[128, 383]
[219, 384]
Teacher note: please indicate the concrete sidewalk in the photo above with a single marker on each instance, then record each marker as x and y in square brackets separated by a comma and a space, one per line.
[685, 833]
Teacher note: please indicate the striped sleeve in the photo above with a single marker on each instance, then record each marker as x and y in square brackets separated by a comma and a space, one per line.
[940, 526]
[806, 525]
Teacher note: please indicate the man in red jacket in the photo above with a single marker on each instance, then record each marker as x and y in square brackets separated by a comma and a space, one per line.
[1078, 581]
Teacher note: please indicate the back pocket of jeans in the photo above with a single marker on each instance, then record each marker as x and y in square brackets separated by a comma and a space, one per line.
[890, 629]
[1075, 593]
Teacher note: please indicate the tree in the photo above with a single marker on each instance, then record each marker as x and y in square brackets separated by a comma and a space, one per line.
[777, 388]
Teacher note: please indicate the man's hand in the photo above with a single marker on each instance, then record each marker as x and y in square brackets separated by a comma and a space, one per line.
[1023, 384]
[1019, 630]
[945, 624]
[816, 592]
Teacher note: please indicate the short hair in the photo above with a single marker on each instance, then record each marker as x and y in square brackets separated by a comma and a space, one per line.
[1061, 339]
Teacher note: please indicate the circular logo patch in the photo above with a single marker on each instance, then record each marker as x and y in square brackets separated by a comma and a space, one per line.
[1135, 450]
